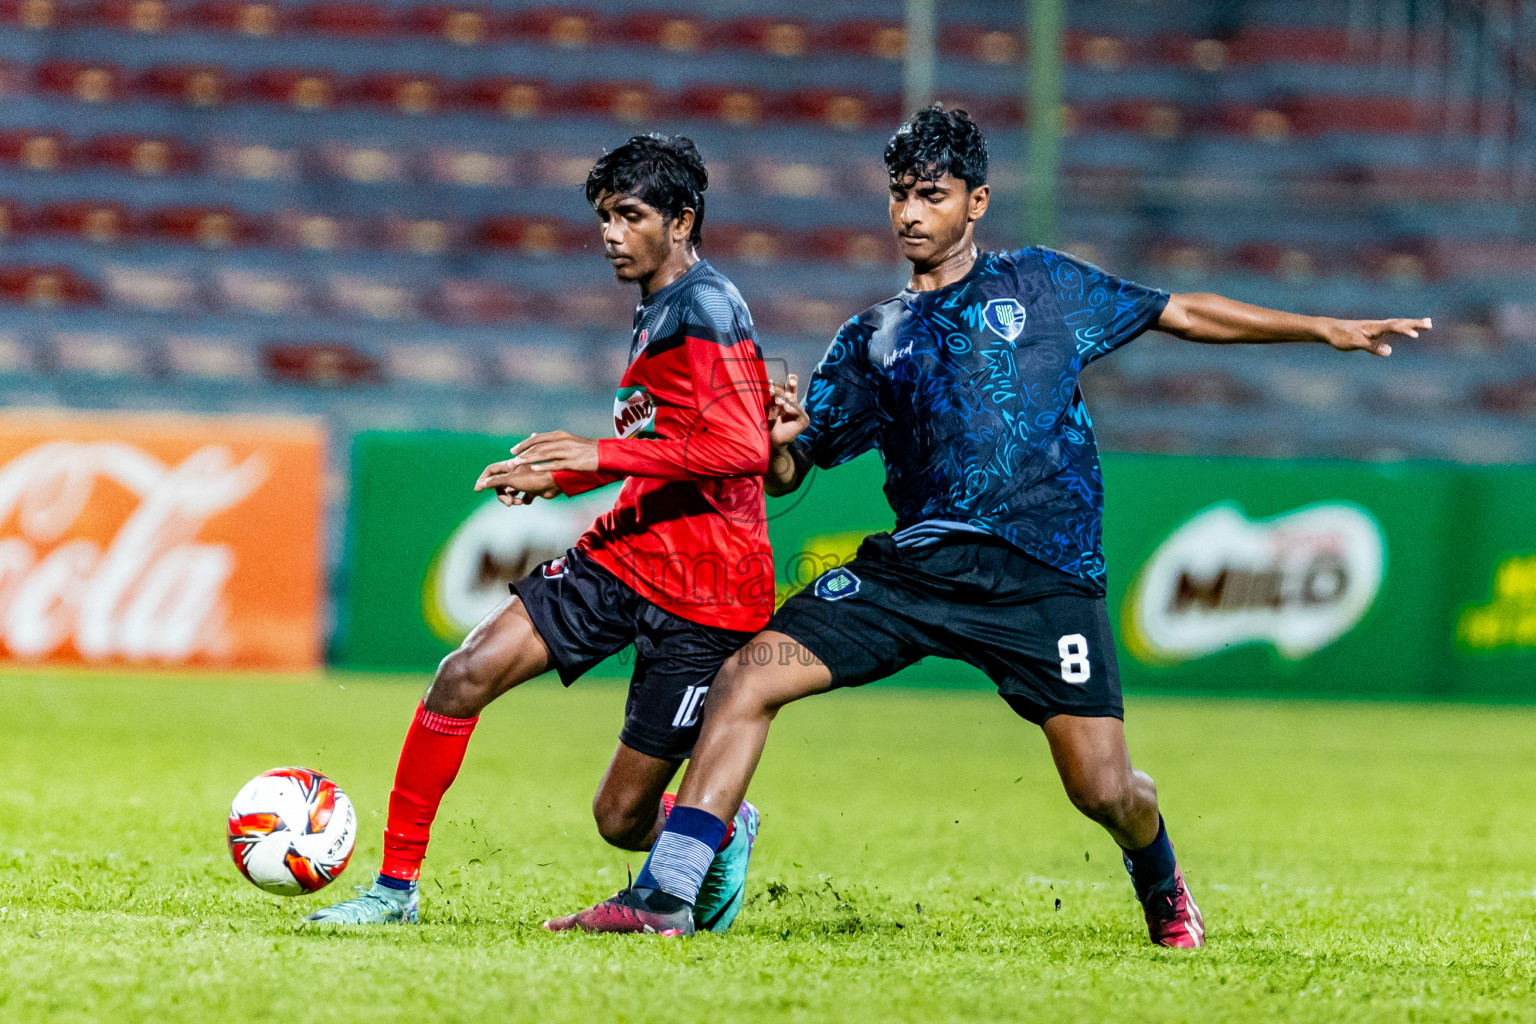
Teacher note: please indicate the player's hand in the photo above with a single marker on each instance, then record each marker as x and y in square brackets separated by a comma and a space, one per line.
[1370, 335]
[515, 484]
[786, 417]
[557, 450]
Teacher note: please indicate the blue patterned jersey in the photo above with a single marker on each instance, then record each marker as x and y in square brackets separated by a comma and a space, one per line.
[970, 394]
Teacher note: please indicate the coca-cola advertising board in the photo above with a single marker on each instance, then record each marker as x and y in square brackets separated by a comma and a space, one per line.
[160, 541]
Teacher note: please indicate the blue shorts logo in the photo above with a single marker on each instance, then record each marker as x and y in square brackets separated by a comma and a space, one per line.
[1005, 317]
[836, 585]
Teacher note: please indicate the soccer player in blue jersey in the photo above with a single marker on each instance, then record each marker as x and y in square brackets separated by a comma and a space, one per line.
[967, 385]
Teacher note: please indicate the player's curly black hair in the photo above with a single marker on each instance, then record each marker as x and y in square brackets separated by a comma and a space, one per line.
[663, 171]
[935, 142]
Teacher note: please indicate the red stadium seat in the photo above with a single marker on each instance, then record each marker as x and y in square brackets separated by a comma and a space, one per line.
[82, 81]
[466, 25]
[741, 107]
[46, 286]
[41, 152]
[208, 227]
[408, 94]
[845, 110]
[101, 223]
[320, 364]
[143, 17]
[257, 18]
[348, 20]
[15, 220]
[567, 28]
[35, 15]
[625, 102]
[990, 46]
[193, 84]
[518, 98]
[864, 38]
[145, 157]
[675, 33]
[305, 90]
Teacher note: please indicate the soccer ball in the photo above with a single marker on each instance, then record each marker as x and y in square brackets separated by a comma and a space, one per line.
[291, 831]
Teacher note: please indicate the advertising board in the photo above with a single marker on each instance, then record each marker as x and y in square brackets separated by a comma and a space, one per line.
[160, 540]
[1234, 576]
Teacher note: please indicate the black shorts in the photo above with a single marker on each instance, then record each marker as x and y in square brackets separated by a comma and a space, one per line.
[585, 614]
[1042, 635]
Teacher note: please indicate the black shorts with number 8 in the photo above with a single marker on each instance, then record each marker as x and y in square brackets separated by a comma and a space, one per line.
[1040, 634]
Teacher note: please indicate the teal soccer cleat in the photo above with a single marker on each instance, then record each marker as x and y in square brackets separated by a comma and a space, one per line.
[378, 904]
[725, 885]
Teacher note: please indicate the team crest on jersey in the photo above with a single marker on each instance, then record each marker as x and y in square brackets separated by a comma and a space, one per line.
[633, 412]
[555, 568]
[836, 585]
[1005, 317]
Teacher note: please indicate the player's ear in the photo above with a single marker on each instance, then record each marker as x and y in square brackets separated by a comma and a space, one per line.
[682, 226]
[980, 196]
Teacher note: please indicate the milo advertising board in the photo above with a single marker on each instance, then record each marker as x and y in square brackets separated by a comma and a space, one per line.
[1225, 575]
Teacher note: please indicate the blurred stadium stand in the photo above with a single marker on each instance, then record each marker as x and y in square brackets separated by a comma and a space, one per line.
[371, 211]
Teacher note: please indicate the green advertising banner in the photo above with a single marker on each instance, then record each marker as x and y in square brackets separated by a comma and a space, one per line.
[1226, 576]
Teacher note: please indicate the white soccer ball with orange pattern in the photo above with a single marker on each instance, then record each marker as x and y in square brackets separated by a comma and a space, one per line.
[291, 831]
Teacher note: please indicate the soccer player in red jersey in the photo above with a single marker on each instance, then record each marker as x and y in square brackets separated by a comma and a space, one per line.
[680, 567]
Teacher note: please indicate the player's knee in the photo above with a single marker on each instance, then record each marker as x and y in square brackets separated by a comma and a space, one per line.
[1107, 799]
[621, 824]
[738, 691]
[462, 685]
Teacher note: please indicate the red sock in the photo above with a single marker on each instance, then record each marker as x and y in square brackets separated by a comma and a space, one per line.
[669, 800]
[429, 761]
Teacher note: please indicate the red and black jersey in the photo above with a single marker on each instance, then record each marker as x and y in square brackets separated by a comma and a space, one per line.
[689, 531]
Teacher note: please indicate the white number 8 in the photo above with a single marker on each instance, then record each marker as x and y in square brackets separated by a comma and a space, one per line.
[1073, 649]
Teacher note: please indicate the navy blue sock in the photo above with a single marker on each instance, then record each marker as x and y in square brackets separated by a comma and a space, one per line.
[683, 853]
[395, 883]
[1152, 866]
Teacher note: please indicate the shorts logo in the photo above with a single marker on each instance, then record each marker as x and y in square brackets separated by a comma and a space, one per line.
[690, 706]
[555, 569]
[1005, 317]
[836, 585]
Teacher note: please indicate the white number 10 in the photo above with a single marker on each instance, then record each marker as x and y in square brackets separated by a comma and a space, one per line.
[1073, 649]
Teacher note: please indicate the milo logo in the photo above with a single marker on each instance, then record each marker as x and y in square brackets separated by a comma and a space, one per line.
[1298, 581]
[633, 412]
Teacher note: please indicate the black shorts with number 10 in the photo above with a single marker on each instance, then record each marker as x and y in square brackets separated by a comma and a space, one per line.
[584, 614]
[1040, 634]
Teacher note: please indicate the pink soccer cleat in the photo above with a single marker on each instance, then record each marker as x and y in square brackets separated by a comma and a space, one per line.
[630, 911]
[1173, 920]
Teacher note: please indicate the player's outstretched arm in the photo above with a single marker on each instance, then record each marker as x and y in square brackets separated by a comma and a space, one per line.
[1215, 319]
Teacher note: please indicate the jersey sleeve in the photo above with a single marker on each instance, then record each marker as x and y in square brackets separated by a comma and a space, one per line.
[841, 403]
[1101, 312]
[727, 434]
[572, 483]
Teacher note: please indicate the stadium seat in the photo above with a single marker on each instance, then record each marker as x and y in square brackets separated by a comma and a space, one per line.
[99, 354]
[474, 302]
[320, 364]
[211, 358]
[83, 81]
[192, 84]
[261, 293]
[152, 290]
[142, 156]
[46, 286]
[208, 227]
[433, 364]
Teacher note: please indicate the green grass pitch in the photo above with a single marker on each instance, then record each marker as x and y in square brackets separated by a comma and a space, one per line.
[917, 863]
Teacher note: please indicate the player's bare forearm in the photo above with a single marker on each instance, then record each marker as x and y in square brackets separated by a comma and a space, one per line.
[783, 474]
[1215, 319]
[787, 418]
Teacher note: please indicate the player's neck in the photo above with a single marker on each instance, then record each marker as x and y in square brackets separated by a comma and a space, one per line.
[948, 269]
[674, 267]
